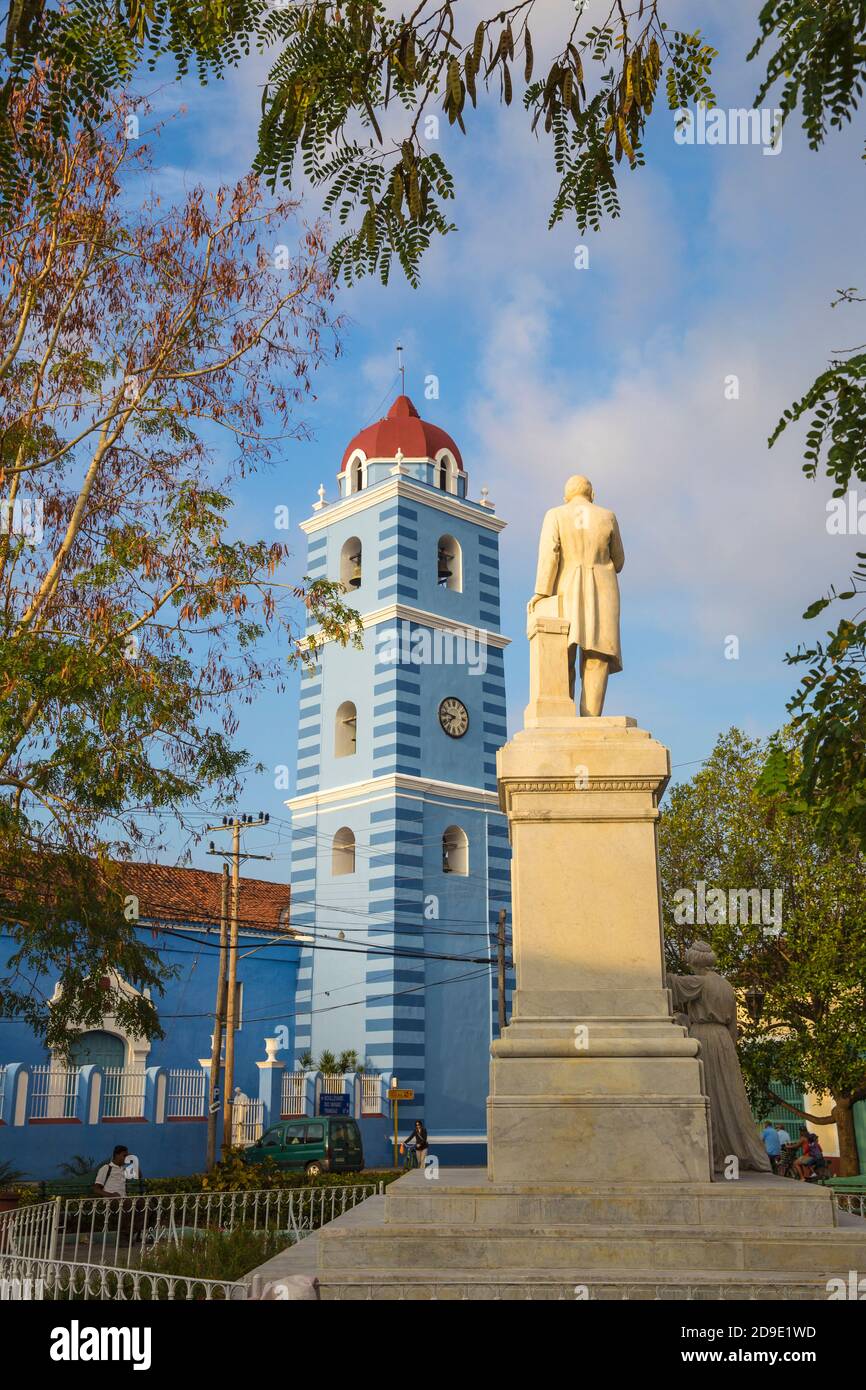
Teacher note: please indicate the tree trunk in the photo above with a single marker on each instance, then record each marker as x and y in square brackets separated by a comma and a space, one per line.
[849, 1159]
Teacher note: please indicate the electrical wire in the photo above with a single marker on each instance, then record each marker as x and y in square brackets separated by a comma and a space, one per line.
[367, 949]
[349, 1004]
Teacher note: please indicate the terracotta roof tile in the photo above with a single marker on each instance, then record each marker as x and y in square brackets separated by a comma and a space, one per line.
[169, 893]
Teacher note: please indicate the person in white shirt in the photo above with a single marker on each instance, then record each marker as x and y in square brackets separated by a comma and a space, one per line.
[784, 1136]
[110, 1180]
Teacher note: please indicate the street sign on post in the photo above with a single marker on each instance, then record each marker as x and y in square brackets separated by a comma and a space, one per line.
[395, 1095]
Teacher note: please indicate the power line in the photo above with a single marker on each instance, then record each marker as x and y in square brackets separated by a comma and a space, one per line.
[375, 925]
[367, 949]
[350, 1004]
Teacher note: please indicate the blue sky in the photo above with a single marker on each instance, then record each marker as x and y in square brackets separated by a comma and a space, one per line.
[724, 263]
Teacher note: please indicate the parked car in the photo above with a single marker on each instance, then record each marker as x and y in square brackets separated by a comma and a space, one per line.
[328, 1144]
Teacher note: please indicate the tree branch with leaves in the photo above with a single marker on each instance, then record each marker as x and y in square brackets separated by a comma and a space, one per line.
[807, 971]
[152, 360]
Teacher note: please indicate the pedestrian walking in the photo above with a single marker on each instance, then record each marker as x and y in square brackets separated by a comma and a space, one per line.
[418, 1141]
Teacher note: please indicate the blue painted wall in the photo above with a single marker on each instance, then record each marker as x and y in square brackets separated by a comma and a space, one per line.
[269, 978]
[186, 1007]
[168, 1150]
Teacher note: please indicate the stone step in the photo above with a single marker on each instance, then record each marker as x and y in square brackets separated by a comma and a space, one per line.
[567, 1285]
[667, 1248]
[460, 1197]
[360, 1256]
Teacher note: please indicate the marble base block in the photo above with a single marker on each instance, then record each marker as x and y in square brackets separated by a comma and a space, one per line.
[592, 1079]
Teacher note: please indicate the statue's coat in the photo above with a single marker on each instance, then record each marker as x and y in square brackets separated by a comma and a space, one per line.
[579, 557]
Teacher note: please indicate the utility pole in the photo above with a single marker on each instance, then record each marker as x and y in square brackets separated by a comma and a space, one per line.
[219, 1015]
[235, 824]
[500, 955]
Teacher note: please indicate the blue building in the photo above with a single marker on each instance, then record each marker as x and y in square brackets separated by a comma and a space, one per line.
[151, 1094]
[400, 858]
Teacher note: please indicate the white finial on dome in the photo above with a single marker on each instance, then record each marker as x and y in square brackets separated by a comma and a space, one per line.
[485, 499]
[398, 470]
[317, 506]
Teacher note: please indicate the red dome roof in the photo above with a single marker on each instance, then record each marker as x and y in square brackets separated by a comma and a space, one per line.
[403, 429]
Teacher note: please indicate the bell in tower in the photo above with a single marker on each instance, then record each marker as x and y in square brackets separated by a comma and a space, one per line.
[444, 571]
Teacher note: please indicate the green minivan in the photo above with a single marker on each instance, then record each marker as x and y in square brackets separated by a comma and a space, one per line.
[327, 1144]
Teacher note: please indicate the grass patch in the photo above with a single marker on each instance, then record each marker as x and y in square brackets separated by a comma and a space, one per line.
[213, 1254]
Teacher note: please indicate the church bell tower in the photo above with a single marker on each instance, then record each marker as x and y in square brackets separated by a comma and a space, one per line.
[400, 858]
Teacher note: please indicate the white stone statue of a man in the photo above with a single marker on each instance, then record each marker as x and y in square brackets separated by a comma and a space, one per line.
[579, 557]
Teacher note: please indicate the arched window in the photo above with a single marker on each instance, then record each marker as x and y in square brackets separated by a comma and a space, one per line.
[350, 563]
[449, 564]
[446, 471]
[356, 474]
[343, 852]
[455, 851]
[345, 730]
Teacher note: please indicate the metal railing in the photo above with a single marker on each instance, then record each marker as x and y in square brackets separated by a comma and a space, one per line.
[186, 1096]
[120, 1231]
[67, 1279]
[97, 1247]
[30, 1231]
[333, 1083]
[853, 1203]
[293, 1100]
[123, 1093]
[52, 1092]
[2, 1085]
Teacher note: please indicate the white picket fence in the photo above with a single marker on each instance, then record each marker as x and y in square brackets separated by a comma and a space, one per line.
[53, 1095]
[186, 1096]
[123, 1093]
[293, 1100]
[248, 1121]
[371, 1095]
[52, 1092]
[295, 1092]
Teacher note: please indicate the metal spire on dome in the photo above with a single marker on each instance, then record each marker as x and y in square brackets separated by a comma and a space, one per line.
[401, 369]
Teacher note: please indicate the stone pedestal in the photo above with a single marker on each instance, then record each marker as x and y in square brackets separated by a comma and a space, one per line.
[592, 1078]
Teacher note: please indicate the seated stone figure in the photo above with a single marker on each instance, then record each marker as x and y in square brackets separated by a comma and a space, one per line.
[709, 1008]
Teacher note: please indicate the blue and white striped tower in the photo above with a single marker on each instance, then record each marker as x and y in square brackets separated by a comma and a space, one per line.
[400, 851]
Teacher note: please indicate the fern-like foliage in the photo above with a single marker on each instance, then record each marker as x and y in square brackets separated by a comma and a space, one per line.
[343, 68]
[819, 59]
[355, 95]
[90, 49]
[829, 706]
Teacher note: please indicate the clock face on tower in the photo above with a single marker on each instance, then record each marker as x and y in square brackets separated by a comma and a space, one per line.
[453, 716]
